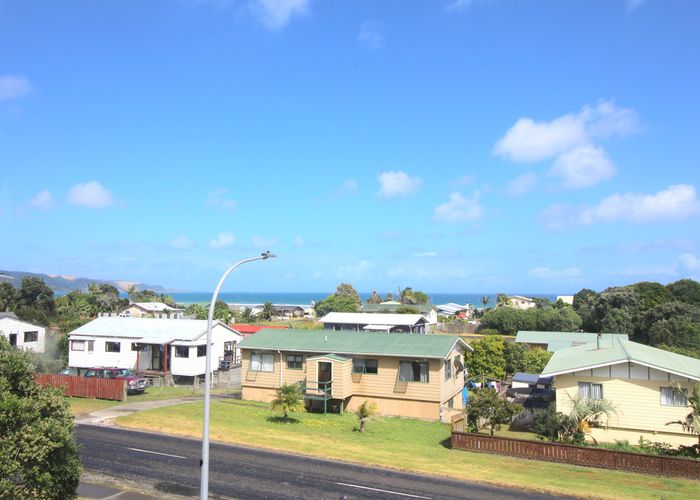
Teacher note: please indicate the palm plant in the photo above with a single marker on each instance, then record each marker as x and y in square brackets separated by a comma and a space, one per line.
[288, 398]
[268, 311]
[246, 315]
[586, 414]
[691, 423]
[366, 411]
[485, 300]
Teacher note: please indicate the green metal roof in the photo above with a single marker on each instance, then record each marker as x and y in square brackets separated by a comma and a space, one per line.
[620, 350]
[562, 340]
[408, 345]
[390, 308]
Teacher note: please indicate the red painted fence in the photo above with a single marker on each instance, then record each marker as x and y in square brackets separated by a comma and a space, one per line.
[577, 455]
[85, 387]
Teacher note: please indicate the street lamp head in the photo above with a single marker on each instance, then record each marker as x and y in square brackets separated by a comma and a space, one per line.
[267, 255]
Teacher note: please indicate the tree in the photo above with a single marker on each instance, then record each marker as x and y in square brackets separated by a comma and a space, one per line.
[550, 424]
[366, 411]
[502, 300]
[288, 398]
[8, 297]
[268, 311]
[685, 290]
[407, 310]
[199, 311]
[488, 407]
[691, 423]
[675, 324]
[347, 290]
[485, 299]
[38, 454]
[246, 315]
[105, 297]
[587, 413]
[222, 312]
[35, 302]
[514, 356]
[411, 297]
[389, 297]
[487, 359]
[508, 320]
[374, 298]
[534, 360]
[336, 303]
[651, 294]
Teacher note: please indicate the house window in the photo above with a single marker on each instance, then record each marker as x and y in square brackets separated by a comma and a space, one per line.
[91, 345]
[670, 396]
[362, 365]
[587, 390]
[31, 336]
[451, 402]
[77, 345]
[413, 371]
[448, 369]
[261, 362]
[113, 346]
[201, 350]
[182, 351]
[295, 361]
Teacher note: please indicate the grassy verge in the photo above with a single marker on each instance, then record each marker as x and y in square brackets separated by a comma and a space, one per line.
[84, 406]
[399, 443]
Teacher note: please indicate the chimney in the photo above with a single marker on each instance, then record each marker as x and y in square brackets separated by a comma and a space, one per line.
[600, 336]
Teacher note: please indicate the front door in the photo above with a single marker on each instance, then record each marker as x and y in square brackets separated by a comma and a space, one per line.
[13, 339]
[157, 357]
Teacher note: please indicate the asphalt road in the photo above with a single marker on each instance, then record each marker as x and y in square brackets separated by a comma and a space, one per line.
[172, 465]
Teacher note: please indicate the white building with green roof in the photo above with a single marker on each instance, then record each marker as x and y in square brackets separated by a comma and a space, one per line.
[418, 376]
[648, 386]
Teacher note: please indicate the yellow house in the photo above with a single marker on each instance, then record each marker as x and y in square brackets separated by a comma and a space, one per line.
[648, 386]
[408, 375]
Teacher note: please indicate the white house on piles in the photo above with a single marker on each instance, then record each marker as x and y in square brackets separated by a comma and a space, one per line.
[162, 346]
[22, 334]
[375, 322]
[151, 310]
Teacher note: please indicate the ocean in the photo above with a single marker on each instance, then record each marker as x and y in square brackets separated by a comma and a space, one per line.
[307, 298]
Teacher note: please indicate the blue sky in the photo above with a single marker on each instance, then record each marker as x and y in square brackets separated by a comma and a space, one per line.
[451, 146]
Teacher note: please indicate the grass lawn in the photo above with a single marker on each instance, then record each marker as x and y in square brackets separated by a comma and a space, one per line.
[399, 443]
[84, 406]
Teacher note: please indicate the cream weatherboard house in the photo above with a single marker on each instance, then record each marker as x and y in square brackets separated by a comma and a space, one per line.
[418, 376]
[22, 334]
[376, 322]
[648, 387]
[151, 310]
[167, 346]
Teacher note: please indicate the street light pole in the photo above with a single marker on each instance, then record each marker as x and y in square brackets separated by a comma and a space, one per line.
[204, 463]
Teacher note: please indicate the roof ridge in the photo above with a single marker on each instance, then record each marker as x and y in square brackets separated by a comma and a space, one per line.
[627, 354]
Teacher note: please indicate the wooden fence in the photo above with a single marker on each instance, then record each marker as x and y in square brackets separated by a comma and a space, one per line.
[85, 387]
[577, 455]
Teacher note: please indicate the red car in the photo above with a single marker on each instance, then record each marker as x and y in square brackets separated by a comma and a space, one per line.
[134, 383]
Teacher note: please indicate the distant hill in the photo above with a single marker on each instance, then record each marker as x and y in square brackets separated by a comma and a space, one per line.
[65, 283]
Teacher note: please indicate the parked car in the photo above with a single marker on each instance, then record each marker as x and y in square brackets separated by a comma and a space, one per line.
[68, 371]
[134, 383]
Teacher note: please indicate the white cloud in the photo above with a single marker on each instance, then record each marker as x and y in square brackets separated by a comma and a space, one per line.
[529, 140]
[218, 198]
[13, 87]
[91, 195]
[369, 36]
[354, 271]
[223, 240]
[181, 242]
[348, 187]
[676, 202]
[545, 273]
[262, 242]
[634, 4]
[425, 254]
[582, 167]
[459, 209]
[43, 200]
[455, 5]
[398, 183]
[689, 261]
[465, 180]
[522, 184]
[275, 14]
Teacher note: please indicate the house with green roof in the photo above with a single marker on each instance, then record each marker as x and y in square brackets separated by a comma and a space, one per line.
[419, 376]
[554, 341]
[648, 386]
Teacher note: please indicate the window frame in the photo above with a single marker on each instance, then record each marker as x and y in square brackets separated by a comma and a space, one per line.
[74, 343]
[261, 362]
[674, 392]
[34, 334]
[300, 361]
[364, 366]
[201, 350]
[449, 373]
[414, 365]
[182, 351]
[113, 343]
[591, 391]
